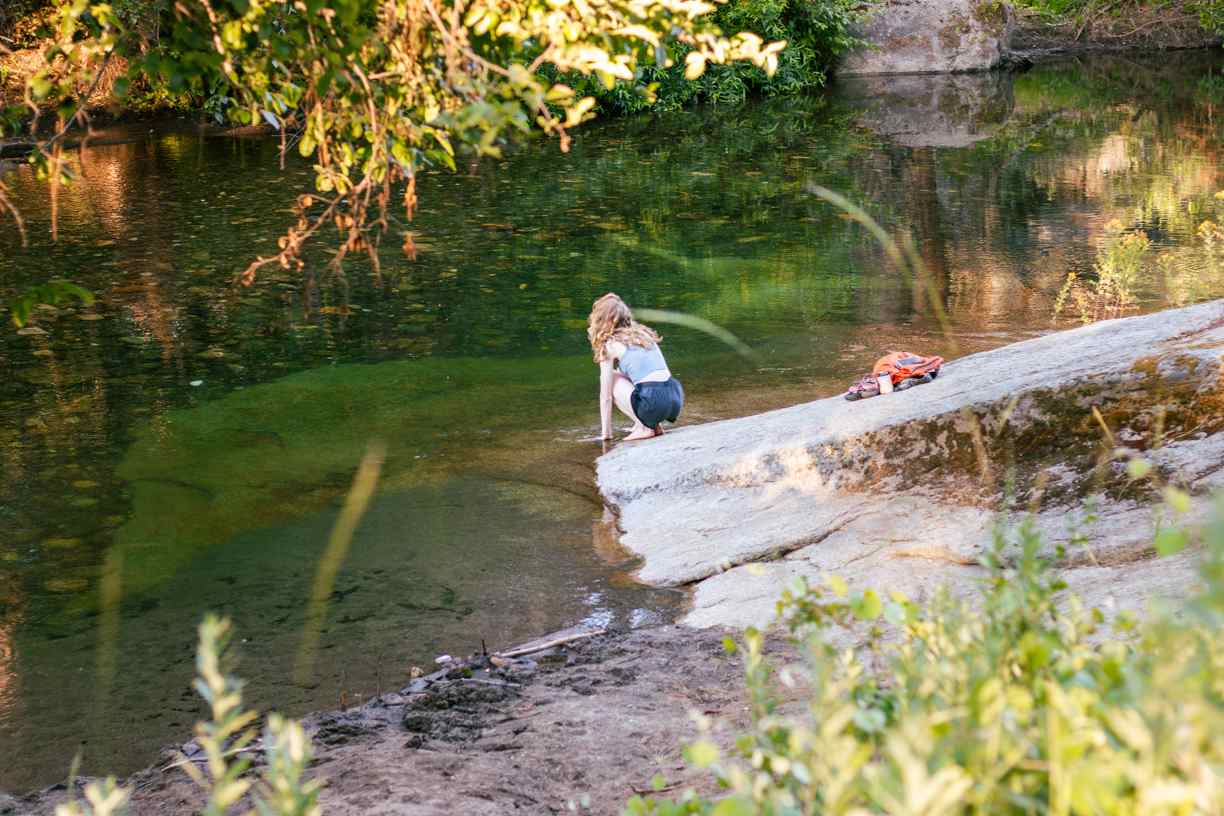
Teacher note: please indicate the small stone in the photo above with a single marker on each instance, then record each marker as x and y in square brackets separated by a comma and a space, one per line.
[196, 383]
[84, 484]
[44, 353]
[89, 316]
[83, 501]
[31, 331]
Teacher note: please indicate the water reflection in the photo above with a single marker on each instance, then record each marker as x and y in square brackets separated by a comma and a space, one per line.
[10, 607]
[184, 445]
[931, 110]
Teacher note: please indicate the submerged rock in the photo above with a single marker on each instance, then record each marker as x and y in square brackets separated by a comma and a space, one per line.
[902, 491]
[932, 36]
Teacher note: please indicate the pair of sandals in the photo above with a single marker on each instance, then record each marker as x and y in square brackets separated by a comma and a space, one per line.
[869, 386]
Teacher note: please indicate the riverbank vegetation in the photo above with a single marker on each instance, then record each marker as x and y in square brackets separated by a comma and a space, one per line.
[1121, 23]
[226, 742]
[815, 33]
[1019, 700]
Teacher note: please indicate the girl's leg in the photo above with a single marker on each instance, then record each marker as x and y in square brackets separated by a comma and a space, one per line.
[622, 389]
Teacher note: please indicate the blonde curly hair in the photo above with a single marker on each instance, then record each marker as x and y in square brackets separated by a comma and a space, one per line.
[611, 319]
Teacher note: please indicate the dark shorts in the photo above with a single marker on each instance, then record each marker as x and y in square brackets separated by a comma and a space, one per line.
[655, 402]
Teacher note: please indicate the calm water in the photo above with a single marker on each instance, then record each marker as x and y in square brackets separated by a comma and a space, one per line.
[184, 445]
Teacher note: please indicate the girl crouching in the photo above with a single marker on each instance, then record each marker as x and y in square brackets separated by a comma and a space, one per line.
[632, 371]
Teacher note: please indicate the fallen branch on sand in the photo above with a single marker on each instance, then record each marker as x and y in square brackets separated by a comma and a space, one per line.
[539, 647]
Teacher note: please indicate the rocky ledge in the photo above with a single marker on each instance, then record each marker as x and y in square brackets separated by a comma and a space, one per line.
[931, 36]
[903, 491]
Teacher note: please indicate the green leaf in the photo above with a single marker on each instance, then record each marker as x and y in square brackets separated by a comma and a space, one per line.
[733, 806]
[870, 720]
[701, 754]
[1177, 499]
[1036, 650]
[1138, 468]
[1171, 541]
[20, 311]
[51, 293]
[40, 87]
[867, 606]
[894, 613]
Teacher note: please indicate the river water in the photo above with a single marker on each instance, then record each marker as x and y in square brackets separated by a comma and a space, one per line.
[184, 445]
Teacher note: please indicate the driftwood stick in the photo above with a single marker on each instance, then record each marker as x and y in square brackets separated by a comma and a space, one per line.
[539, 647]
[483, 682]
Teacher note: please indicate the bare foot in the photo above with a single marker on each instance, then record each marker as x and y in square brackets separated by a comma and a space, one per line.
[641, 432]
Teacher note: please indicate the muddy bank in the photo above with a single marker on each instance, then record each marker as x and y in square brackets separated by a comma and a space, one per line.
[592, 721]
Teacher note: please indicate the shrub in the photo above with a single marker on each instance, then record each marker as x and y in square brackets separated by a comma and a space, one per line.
[817, 33]
[1015, 701]
[226, 739]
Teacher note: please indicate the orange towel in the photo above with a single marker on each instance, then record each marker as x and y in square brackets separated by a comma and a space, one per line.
[902, 365]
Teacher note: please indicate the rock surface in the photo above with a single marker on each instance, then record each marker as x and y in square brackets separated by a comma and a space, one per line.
[931, 36]
[902, 491]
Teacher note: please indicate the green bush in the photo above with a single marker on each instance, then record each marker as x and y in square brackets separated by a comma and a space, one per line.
[817, 33]
[1017, 701]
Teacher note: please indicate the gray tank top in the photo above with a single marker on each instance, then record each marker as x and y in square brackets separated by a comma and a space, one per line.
[637, 362]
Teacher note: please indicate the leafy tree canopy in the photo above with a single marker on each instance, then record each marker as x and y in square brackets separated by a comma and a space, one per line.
[376, 90]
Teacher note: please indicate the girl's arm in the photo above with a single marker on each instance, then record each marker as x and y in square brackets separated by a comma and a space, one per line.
[606, 378]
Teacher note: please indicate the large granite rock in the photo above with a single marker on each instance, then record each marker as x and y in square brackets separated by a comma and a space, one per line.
[903, 491]
[932, 36]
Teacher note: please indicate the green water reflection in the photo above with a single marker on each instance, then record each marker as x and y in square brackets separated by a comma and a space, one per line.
[184, 445]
